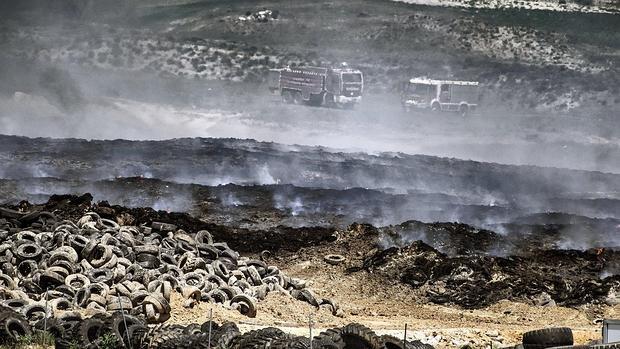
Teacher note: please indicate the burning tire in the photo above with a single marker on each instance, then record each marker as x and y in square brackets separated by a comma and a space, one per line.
[547, 338]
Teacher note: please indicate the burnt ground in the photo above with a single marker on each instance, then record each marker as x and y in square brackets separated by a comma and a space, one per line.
[519, 233]
[446, 296]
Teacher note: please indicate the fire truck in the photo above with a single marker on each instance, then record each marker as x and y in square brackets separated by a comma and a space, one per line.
[440, 95]
[331, 87]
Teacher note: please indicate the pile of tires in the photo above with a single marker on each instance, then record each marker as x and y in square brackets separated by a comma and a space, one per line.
[48, 265]
[351, 336]
[119, 330]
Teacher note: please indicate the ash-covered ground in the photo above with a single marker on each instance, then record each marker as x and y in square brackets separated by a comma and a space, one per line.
[507, 219]
[495, 212]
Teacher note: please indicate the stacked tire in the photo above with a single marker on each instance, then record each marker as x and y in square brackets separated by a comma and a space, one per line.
[49, 265]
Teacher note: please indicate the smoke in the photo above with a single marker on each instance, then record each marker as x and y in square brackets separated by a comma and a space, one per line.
[230, 199]
[583, 237]
[295, 206]
[84, 69]
[402, 239]
[171, 203]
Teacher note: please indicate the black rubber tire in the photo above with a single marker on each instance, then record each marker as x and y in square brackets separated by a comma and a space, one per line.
[101, 275]
[299, 343]
[35, 312]
[547, 338]
[324, 344]
[204, 237]
[26, 268]
[391, 342]
[207, 251]
[13, 326]
[115, 324]
[248, 304]
[226, 333]
[333, 335]
[287, 97]
[28, 251]
[137, 333]
[50, 280]
[148, 261]
[360, 337]
[463, 110]
[90, 330]
[205, 327]
[297, 98]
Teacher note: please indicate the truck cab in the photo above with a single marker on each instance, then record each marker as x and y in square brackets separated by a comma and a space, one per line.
[344, 87]
[440, 95]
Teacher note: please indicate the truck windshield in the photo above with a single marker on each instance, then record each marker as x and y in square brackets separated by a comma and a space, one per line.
[418, 89]
[351, 77]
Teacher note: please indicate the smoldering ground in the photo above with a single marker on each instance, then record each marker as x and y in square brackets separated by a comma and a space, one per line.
[84, 85]
[61, 92]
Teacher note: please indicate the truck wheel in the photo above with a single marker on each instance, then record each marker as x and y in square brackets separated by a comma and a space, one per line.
[463, 110]
[297, 99]
[435, 107]
[287, 97]
[316, 99]
[328, 100]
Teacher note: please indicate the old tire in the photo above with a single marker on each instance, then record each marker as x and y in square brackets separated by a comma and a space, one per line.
[547, 338]
[334, 259]
[333, 335]
[360, 337]
[13, 326]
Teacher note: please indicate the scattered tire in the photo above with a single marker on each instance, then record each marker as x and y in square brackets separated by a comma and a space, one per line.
[334, 259]
[359, 336]
[547, 338]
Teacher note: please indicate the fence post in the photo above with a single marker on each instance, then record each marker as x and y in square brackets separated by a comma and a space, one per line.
[46, 315]
[310, 327]
[210, 324]
[120, 306]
